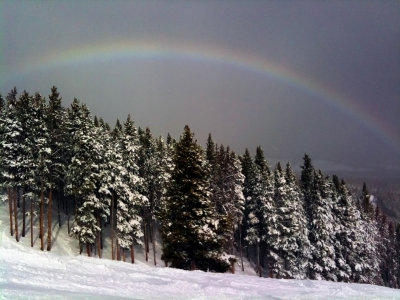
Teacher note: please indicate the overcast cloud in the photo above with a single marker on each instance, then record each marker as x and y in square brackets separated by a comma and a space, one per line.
[350, 47]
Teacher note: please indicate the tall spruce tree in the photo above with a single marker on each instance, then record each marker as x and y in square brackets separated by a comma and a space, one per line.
[369, 235]
[351, 234]
[307, 185]
[334, 188]
[148, 171]
[190, 238]
[264, 196]
[322, 264]
[11, 162]
[252, 218]
[83, 176]
[58, 143]
[397, 255]
[129, 199]
[233, 206]
[293, 247]
[248, 171]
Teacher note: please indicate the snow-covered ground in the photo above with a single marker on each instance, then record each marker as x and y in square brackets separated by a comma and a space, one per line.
[28, 273]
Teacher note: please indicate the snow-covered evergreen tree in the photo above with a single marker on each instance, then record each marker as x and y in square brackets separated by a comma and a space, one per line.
[260, 221]
[321, 230]
[227, 191]
[386, 250]
[83, 176]
[268, 228]
[126, 185]
[353, 235]
[190, 233]
[397, 255]
[161, 178]
[166, 153]
[233, 206]
[11, 160]
[252, 217]
[41, 153]
[292, 247]
[306, 185]
[58, 143]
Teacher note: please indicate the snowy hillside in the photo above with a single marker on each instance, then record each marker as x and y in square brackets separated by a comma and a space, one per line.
[28, 273]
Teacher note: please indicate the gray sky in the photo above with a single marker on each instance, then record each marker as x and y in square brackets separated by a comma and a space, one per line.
[350, 48]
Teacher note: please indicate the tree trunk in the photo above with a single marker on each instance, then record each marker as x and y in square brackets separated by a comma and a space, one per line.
[15, 215]
[31, 222]
[67, 209]
[132, 254]
[146, 244]
[58, 207]
[99, 237]
[49, 220]
[23, 216]
[41, 213]
[112, 227]
[95, 246]
[193, 266]
[258, 259]
[154, 243]
[118, 250]
[123, 254]
[10, 207]
[88, 249]
[240, 246]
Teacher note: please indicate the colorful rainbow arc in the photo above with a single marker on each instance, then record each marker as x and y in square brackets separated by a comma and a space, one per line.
[200, 53]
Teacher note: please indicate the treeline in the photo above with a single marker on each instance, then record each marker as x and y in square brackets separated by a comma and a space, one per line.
[209, 206]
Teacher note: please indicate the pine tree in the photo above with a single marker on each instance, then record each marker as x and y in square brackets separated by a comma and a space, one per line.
[306, 184]
[56, 122]
[369, 236]
[162, 175]
[234, 180]
[166, 153]
[147, 171]
[386, 249]
[190, 239]
[397, 255]
[127, 188]
[322, 264]
[343, 270]
[42, 159]
[227, 192]
[264, 196]
[83, 176]
[233, 204]
[352, 235]
[389, 275]
[252, 215]
[293, 246]
[11, 136]
[248, 173]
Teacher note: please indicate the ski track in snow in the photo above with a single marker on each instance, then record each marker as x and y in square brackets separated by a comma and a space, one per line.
[28, 273]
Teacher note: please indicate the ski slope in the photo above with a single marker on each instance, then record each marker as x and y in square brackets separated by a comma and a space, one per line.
[28, 273]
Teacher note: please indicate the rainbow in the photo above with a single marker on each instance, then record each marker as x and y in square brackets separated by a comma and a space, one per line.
[121, 50]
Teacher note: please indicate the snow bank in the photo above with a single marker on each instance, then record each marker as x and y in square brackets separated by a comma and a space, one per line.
[28, 273]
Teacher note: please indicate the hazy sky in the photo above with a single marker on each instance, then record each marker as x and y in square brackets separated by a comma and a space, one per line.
[317, 77]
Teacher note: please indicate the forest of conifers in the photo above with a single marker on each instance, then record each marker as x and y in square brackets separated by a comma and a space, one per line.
[209, 207]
